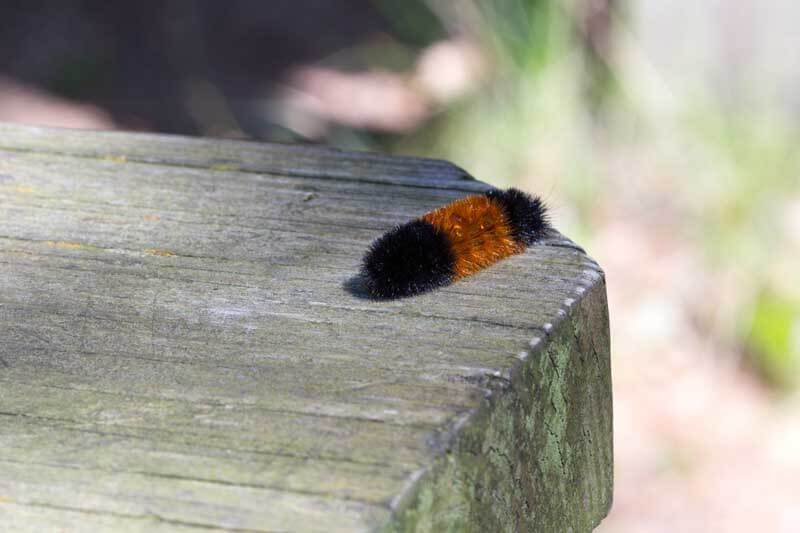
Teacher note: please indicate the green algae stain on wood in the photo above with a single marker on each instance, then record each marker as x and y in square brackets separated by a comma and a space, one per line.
[538, 455]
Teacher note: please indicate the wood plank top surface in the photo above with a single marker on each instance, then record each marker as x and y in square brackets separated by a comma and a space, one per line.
[184, 346]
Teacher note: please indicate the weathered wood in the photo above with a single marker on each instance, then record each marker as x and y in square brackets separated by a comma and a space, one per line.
[183, 349]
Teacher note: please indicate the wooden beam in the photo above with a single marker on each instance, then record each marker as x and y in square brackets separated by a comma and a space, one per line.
[183, 349]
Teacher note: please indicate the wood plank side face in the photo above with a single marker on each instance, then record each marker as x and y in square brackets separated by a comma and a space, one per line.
[540, 456]
[182, 349]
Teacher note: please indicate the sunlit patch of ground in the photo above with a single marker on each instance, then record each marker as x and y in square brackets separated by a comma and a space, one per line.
[700, 444]
[29, 105]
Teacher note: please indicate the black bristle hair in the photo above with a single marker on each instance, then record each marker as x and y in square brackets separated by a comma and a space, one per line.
[409, 259]
[526, 214]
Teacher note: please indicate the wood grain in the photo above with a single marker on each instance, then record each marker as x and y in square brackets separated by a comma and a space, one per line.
[185, 347]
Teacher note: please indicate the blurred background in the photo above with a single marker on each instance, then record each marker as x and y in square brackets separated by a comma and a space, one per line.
[664, 136]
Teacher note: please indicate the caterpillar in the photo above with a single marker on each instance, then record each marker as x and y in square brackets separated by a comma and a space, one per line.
[452, 242]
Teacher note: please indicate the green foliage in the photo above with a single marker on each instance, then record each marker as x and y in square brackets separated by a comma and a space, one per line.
[754, 163]
[526, 33]
[78, 76]
[774, 339]
[412, 21]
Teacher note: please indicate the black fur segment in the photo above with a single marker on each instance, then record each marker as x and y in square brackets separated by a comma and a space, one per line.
[526, 214]
[409, 259]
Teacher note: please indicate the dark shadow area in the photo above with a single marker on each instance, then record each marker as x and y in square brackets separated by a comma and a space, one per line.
[181, 66]
[356, 286]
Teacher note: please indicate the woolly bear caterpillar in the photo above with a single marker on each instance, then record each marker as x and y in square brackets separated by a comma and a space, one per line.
[452, 242]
